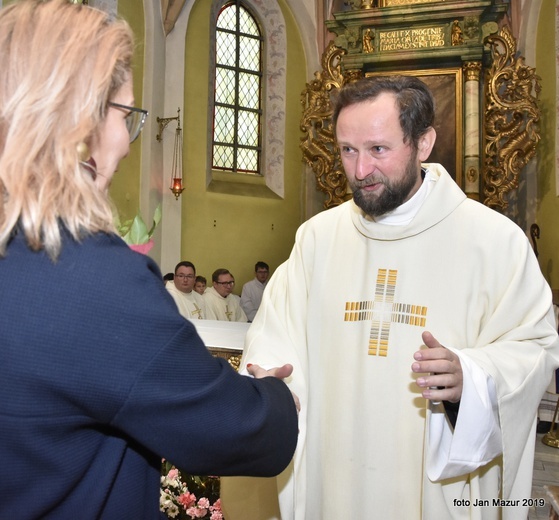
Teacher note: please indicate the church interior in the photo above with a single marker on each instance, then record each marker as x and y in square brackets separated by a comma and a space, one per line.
[492, 63]
[232, 219]
[494, 68]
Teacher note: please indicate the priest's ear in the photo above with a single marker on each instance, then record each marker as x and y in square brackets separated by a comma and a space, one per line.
[426, 143]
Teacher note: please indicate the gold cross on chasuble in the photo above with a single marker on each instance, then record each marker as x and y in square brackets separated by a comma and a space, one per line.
[197, 313]
[228, 313]
[383, 311]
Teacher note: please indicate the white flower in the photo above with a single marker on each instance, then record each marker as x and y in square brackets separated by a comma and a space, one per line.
[173, 511]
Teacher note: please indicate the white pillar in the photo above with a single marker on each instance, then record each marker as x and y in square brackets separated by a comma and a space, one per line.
[471, 129]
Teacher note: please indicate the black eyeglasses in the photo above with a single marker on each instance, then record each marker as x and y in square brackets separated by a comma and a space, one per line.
[226, 283]
[135, 119]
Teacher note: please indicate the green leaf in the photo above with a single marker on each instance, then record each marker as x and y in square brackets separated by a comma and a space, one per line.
[135, 231]
[138, 231]
[156, 219]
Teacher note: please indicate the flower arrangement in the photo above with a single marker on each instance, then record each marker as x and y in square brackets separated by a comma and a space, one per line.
[186, 497]
[135, 232]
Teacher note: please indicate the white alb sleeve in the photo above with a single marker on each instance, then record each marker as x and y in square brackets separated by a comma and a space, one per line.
[476, 439]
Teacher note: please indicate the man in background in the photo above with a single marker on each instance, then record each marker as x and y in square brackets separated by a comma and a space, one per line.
[190, 304]
[251, 296]
[221, 303]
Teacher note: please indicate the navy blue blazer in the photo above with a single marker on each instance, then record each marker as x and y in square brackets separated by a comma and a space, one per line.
[100, 377]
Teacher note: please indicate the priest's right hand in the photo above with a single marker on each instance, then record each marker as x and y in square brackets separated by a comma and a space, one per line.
[280, 372]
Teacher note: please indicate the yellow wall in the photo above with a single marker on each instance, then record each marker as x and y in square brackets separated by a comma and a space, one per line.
[548, 202]
[235, 231]
[125, 187]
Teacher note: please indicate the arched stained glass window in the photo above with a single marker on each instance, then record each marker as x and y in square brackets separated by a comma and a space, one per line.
[238, 91]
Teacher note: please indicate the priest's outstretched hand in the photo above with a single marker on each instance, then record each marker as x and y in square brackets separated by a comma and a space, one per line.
[444, 379]
[280, 372]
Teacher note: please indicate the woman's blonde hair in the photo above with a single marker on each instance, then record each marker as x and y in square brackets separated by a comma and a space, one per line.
[61, 63]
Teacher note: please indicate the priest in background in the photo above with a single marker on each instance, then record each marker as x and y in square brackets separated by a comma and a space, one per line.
[190, 304]
[221, 303]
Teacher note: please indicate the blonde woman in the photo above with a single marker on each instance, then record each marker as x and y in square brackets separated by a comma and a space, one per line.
[95, 391]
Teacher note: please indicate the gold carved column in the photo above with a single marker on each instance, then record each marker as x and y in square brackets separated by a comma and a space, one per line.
[472, 137]
[318, 144]
[511, 120]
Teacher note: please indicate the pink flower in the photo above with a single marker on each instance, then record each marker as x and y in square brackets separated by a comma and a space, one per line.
[216, 510]
[187, 499]
[195, 512]
[142, 248]
[204, 503]
[173, 474]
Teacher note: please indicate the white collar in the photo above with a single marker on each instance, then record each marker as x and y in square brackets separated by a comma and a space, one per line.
[404, 214]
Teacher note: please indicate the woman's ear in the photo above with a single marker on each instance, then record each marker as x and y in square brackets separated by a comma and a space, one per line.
[426, 143]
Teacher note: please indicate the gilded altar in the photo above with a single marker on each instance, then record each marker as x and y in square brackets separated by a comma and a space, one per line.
[486, 96]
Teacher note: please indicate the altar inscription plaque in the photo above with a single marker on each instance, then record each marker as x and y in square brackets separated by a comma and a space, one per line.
[403, 39]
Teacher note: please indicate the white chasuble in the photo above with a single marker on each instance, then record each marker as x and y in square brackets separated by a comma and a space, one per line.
[223, 309]
[190, 305]
[347, 310]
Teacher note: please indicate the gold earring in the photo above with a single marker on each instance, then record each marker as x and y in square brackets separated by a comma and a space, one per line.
[83, 152]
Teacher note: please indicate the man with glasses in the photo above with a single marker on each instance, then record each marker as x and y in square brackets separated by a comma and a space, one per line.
[190, 304]
[221, 303]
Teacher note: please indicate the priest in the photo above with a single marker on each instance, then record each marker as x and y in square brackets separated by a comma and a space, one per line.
[420, 374]
[221, 303]
[190, 304]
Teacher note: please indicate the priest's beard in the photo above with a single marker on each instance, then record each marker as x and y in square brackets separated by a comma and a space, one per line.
[394, 194]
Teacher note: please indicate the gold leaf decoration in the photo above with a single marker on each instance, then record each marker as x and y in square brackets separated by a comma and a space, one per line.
[319, 148]
[511, 121]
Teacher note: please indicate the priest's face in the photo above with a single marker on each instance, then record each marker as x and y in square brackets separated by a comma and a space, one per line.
[224, 285]
[382, 170]
[184, 279]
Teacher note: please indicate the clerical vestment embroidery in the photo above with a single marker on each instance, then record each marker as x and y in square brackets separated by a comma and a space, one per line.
[197, 313]
[383, 311]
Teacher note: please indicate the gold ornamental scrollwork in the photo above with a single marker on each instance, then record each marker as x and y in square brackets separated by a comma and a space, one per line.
[511, 121]
[319, 147]
[235, 362]
[233, 357]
